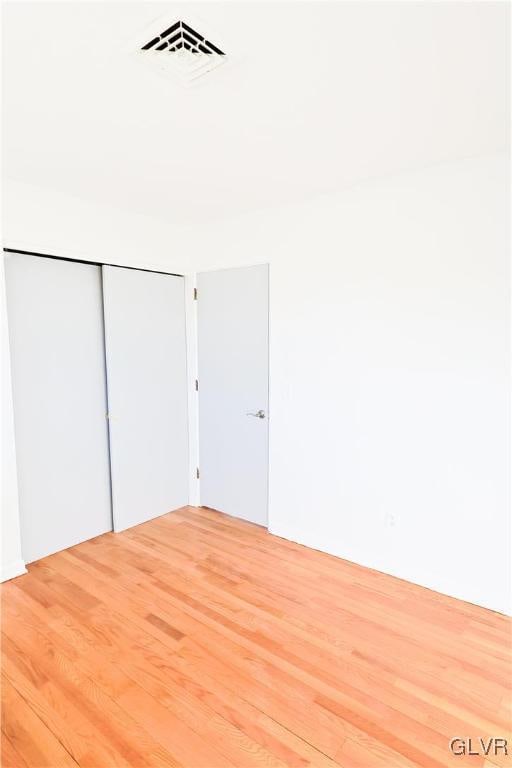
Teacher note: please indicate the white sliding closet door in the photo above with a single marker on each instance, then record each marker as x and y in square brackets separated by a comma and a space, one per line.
[147, 393]
[58, 378]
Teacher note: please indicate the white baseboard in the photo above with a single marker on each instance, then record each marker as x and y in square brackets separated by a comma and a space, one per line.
[499, 604]
[12, 570]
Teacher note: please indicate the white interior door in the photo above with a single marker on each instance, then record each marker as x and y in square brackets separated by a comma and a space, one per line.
[147, 393]
[232, 326]
[59, 395]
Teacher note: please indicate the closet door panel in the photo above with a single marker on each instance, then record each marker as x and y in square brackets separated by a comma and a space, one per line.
[59, 392]
[147, 393]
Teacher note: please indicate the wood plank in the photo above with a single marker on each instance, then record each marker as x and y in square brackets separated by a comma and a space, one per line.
[203, 641]
[36, 744]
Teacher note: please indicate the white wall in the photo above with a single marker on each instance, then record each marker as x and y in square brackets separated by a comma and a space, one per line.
[46, 220]
[389, 413]
[389, 426]
[389, 301]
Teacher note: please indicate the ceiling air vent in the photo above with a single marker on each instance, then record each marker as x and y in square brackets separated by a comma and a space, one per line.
[184, 50]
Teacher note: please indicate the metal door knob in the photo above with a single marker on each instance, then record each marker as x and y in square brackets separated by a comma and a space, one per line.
[259, 414]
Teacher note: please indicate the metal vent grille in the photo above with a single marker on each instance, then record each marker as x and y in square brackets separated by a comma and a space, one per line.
[184, 50]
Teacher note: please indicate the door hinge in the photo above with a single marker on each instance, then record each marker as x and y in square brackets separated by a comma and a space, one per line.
[197, 385]
[197, 473]
[195, 294]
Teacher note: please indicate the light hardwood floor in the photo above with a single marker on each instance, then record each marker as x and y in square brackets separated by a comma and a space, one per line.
[199, 640]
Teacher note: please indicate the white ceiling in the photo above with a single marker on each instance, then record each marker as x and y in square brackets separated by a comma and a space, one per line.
[313, 97]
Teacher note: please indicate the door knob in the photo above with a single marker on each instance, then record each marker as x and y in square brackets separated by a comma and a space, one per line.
[259, 414]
